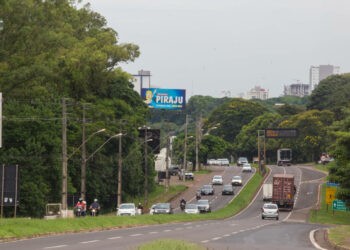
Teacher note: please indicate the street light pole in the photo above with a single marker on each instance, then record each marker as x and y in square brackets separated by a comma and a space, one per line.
[119, 192]
[185, 146]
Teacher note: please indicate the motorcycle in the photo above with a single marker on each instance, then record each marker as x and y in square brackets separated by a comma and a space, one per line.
[198, 196]
[78, 211]
[93, 211]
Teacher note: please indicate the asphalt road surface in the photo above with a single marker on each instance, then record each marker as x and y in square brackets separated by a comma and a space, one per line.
[245, 231]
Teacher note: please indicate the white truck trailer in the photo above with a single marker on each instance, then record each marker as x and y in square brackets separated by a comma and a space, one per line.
[267, 191]
[284, 157]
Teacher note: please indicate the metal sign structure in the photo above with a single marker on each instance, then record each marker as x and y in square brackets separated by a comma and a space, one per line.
[281, 132]
[339, 205]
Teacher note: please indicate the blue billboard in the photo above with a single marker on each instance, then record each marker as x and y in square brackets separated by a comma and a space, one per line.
[170, 99]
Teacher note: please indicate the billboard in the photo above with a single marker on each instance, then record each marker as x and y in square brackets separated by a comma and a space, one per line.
[8, 185]
[170, 99]
[281, 132]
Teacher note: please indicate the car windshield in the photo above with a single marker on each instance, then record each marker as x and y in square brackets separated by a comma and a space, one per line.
[203, 202]
[236, 178]
[163, 206]
[270, 206]
[206, 187]
[217, 177]
[127, 206]
[227, 187]
[191, 206]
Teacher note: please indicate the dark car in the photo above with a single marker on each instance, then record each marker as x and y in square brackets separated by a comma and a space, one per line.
[227, 190]
[207, 190]
[174, 170]
[162, 208]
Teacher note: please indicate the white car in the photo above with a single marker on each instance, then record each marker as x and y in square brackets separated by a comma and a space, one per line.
[236, 181]
[269, 210]
[247, 167]
[127, 209]
[217, 180]
[191, 209]
[223, 162]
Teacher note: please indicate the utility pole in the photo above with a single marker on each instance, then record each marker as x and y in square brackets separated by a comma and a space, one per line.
[83, 158]
[146, 168]
[198, 139]
[167, 164]
[64, 155]
[185, 146]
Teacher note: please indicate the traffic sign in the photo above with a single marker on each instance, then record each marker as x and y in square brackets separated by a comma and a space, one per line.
[339, 205]
[330, 194]
[332, 184]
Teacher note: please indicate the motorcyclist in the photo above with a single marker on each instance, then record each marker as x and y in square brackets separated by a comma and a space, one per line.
[198, 195]
[182, 203]
[94, 208]
[80, 207]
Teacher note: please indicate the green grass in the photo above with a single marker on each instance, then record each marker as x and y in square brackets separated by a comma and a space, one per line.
[170, 244]
[340, 235]
[19, 228]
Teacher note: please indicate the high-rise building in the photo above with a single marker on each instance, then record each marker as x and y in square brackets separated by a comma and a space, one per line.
[258, 93]
[297, 89]
[318, 73]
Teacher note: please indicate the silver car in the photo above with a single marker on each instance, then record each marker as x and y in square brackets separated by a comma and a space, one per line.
[204, 206]
[270, 210]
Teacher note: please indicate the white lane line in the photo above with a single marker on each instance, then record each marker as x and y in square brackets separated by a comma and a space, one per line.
[115, 238]
[153, 232]
[216, 238]
[167, 230]
[135, 235]
[313, 241]
[205, 241]
[226, 235]
[53, 247]
[89, 241]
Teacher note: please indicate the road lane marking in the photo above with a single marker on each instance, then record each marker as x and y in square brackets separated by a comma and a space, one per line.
[153, 232]
[53, 247]
[168, 230]
[313, 241]
[205, 241]
[216, 238]
[89, 241]
[226, 235]
[114, 238]
[135, 235]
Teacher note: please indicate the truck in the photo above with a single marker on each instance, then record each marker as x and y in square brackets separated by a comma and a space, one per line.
[284, 157]
[283, 191]
[267, 191]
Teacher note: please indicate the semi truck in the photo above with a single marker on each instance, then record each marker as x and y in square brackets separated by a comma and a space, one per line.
[267, 191]
[284, 157]
[283, 191]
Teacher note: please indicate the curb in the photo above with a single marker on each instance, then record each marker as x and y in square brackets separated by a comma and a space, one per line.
[335, 246]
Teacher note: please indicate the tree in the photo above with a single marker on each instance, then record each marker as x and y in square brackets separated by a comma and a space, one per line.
[332, 93]
[232, 116]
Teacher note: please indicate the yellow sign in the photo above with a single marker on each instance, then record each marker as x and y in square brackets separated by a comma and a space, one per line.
[330, 194]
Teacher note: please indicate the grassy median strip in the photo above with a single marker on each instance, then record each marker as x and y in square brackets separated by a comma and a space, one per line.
[21, 227]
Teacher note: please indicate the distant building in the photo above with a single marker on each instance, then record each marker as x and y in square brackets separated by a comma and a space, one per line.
[318, 73]
[142, 80]
[258, 93]
[297, 89]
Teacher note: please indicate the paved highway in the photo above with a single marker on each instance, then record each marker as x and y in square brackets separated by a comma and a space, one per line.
[244, 231]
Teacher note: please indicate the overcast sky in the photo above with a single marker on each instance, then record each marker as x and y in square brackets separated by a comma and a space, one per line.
[208, 47]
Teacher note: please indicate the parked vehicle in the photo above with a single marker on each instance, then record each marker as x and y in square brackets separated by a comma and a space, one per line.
[127, 209]
[207, 190]
[223, 162]
[163, 208]
[227, 190]
[236, 180]
[174, 170]
[247, 168]
[284, 157]
[241, 161]
[270, 210]
[191, 209]
[283, 191]
[217, 180]
[267, 192]
[186, 175]
[151, 210]
[204, 206]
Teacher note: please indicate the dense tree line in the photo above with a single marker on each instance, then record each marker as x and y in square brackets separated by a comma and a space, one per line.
[50, 50]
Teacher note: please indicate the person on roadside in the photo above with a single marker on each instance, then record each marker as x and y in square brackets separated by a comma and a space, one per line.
[139, 208]
[80, 208]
